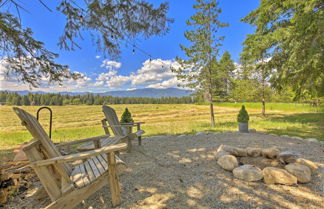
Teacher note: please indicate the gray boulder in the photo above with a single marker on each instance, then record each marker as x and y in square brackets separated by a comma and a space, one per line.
[288, 157]
[311, 140]
[253, 152]
[227, 162]
[270, 153]
[297, 137]
[307, 163]
[272, 175]
[239, 152]
[302, 172]
[248, 173]
[220, 154]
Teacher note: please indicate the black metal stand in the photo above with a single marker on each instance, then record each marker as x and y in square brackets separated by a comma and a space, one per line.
[51, 115]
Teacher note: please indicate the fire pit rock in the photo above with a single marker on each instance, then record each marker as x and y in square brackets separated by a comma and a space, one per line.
[248, 173]
[271, 165]
[274, 175]
[227, 162]
[302, 172]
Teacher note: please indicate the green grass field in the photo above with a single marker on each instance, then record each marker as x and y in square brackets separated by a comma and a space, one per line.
[75, 122]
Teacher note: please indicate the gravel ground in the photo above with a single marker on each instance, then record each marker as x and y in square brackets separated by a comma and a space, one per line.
[181, 172]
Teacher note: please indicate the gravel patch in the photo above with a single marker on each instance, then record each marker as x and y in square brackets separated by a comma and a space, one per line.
[181, 172]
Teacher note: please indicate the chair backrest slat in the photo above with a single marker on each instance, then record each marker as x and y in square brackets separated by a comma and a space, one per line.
[39, 133]
[112, 119]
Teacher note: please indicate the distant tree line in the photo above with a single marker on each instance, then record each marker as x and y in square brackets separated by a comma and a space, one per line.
[12, 98]
[242, 90]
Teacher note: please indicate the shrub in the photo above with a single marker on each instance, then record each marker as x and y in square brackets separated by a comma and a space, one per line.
[243, 116]
[126, 117]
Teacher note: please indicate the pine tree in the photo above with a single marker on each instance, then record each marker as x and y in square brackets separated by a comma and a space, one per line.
[25, 100]
[243, 116]
[289, 37]
[196, 72]
[126, 117]
[222, 77]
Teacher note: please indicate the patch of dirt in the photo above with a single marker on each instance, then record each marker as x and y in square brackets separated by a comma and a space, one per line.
[181, 172]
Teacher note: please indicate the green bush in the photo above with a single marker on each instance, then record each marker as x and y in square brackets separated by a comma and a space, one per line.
[126, 117]
[243, 116]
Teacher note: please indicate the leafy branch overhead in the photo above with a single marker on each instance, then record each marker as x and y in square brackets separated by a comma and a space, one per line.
[110, 23]
[26, 57]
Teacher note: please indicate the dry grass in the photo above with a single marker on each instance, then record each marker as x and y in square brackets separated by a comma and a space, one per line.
[73, 122]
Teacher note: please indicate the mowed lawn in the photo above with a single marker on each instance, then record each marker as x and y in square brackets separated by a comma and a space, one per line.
[75, 122]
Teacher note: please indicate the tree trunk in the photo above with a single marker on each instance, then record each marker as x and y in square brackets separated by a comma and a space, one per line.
[263, 107]
[208, 98]
[212, 117]
[263, 95]
[210, 86]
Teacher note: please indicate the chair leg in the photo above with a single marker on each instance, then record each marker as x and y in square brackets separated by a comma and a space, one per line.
[129, 145]
[113, 180]
[140, 140]
[72, 199]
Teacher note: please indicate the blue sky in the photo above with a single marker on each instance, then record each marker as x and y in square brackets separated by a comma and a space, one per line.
[131, 70]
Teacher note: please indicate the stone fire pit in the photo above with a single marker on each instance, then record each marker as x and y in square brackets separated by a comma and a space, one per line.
[271, 165]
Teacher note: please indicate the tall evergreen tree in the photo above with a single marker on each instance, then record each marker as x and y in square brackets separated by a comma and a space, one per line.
[223, 77]
[289, 35]
[196, 71]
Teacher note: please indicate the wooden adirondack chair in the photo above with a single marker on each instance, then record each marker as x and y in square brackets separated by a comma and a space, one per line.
[116, 126]
[67, 186]
[106, 140]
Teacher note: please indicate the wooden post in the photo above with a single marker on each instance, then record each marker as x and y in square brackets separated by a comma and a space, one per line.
[113, 179]
[139, 137]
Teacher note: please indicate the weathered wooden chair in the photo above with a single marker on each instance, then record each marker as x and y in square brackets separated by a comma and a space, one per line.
[66, 185]
[103, 141]
[117, 127]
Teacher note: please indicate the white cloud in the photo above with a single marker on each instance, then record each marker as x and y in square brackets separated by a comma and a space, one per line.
[99, 83]
[117, 81]
[130, 89]
[111, 79]
[82, 82]
[173, 82]
[106, 76]
[98, 57]
[110, 64]
[154, 73]
[13, 84]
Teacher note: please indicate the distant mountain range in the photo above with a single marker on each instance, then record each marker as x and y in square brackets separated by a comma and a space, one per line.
[147, 92]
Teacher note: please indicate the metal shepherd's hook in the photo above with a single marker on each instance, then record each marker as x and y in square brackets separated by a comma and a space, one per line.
[51, 115]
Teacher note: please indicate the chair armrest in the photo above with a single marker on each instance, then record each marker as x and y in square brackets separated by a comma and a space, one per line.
[80, 156]
[81, 140]
[122, 125]
[134, 124]
[118, 126]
